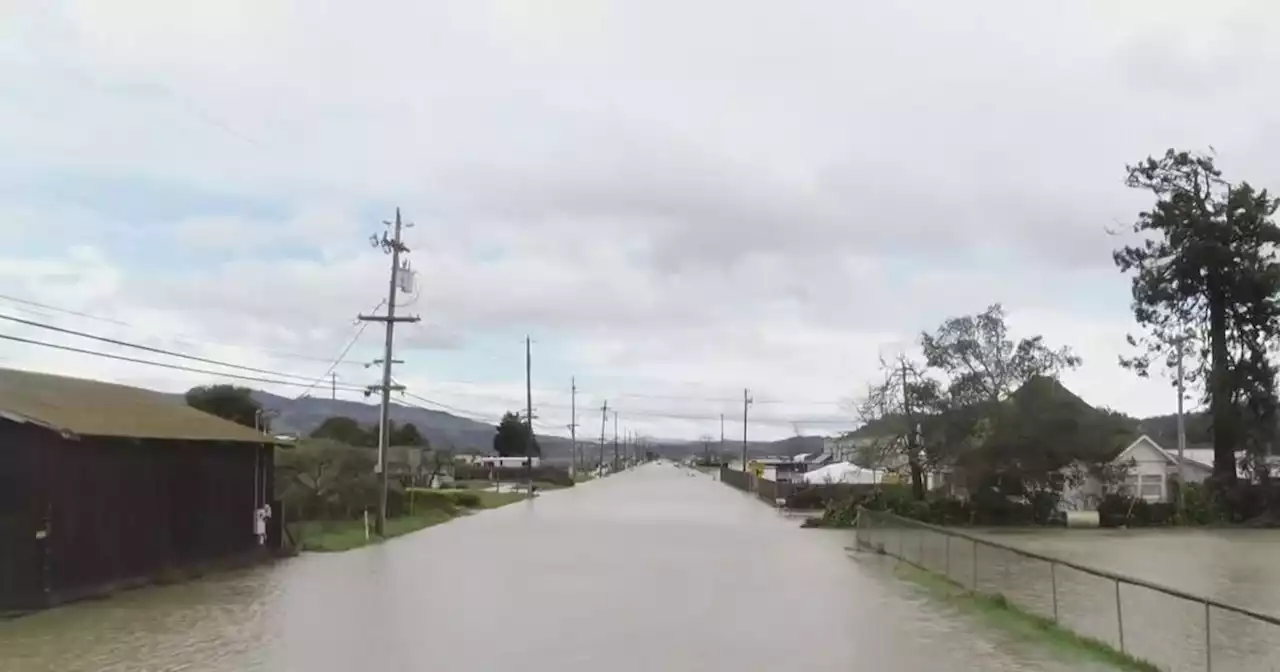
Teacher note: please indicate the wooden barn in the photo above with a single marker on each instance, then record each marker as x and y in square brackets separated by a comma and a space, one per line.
[104, 485]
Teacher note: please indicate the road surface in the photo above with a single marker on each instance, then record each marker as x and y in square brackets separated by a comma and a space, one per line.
[652, 569]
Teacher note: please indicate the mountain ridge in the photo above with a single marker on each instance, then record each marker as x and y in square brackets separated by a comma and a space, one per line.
[464, 435]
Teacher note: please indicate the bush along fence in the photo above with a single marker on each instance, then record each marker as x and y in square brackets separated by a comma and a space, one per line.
[803, 496]
[1169, 628]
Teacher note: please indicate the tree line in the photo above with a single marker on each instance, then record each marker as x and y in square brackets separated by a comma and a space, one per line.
[1205, 286]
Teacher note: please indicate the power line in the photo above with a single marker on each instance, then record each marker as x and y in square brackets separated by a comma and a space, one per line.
[512, 401]
[469, 415]
[77, 313]
[180, 338]
[727, 400]
[341, 356]
[148, 348]
[164, 365]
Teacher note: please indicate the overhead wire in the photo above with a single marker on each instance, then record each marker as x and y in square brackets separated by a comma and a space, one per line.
[315, 381]
[342, 355]
[147, 348]
[477, 416]
[165, 365]
[179, 338]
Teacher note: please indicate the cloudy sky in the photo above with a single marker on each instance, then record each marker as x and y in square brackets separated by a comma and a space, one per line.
[676, 200]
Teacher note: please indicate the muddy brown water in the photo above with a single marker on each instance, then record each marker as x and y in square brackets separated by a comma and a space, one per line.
[652, 569]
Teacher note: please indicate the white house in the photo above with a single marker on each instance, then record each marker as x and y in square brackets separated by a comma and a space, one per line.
[1149, 467]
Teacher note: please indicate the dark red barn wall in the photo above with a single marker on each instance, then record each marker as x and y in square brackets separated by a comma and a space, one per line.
[23, 449]
[127, 508]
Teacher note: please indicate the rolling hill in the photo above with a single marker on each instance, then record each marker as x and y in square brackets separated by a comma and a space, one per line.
[464, 435]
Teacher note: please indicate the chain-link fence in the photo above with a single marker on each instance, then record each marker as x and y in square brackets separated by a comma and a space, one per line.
[1170, 628]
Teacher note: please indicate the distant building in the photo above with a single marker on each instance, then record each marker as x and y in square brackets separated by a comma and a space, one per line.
[517, 461]
[780, 470]
[418, 466]
[102, 485]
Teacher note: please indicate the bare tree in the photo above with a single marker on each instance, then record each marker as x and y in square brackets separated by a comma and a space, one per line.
[893, 412]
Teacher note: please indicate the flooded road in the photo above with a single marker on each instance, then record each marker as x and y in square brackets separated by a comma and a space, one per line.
[654, 569]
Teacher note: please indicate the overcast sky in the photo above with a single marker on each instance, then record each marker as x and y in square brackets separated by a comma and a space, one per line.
[677, 200]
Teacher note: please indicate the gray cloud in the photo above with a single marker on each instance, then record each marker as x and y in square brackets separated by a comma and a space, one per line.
[724, 191]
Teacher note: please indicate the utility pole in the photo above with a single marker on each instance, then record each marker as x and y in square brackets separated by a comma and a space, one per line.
[746, 403]
[615, 440]
[573, 423]
[528, 407]
[1182, 431]
[604, 415]
[399, 274]
[333, 381]
[722, 437]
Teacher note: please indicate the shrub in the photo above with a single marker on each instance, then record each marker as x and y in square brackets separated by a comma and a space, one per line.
[433, 500]
[949, 511]
[467, 500]
[992, 507]
[1124, 511]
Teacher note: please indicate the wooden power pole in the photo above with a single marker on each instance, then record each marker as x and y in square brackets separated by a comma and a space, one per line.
[399, 276]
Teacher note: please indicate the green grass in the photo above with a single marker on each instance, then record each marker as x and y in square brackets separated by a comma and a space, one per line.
[492, 500]
[331, 536]
[472, 485]
[482, 485]
[328, 536]
[1000, 613]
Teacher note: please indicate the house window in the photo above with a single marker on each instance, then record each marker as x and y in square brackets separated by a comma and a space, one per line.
[1152, 487]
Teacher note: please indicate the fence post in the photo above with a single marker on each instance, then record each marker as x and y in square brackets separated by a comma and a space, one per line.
[975, 565]
[1053, 581]
[1119, 617]
[946, 566]
[1208, 646]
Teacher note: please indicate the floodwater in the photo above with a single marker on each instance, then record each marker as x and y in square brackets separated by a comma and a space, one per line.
[1236, 567]
[652, 569]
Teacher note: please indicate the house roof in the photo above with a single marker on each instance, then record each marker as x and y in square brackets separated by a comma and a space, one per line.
[94, 408]
[1137, 442]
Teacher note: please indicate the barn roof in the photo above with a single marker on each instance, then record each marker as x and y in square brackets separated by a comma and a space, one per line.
[94, 408]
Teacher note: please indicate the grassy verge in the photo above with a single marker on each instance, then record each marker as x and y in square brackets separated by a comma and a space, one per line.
[492, 500]
[482, 485]
[1000, 613]
[330, 536]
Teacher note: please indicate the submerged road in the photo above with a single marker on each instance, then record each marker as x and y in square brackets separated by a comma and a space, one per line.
[654, 569]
